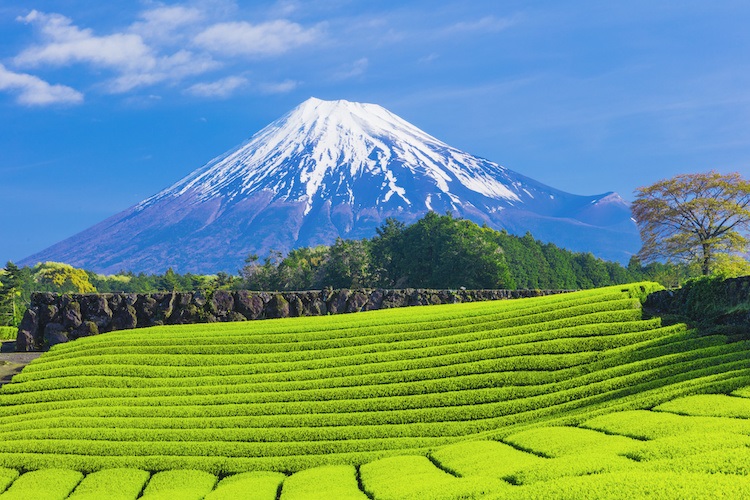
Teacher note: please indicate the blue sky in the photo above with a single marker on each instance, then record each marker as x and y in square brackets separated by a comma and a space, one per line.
[103, 104]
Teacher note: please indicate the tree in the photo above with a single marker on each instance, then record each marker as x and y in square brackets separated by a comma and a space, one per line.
[10, 291]
[169, 282]
[263, 276]
[63, 278]
[347, 265]
[693, 218]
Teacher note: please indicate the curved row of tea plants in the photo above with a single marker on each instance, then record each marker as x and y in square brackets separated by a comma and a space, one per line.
[287, 395]
[691, 447]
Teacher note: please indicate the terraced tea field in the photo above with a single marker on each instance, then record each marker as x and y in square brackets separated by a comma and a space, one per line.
[495, 399]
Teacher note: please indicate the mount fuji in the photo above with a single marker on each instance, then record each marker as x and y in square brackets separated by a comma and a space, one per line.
[331, 169]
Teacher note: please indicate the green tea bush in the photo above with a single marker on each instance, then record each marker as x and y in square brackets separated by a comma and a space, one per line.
[7, 476]
[732, 462]
[584, 464]
[709, 405]
[629, 484]
[416, 478]
[182, 484]
[291, 394]
[644, 424]
[323, 483]
[248, 486]
[484, 458]
[112, 484]
[691, 443]
[561, 441]
[46, 484]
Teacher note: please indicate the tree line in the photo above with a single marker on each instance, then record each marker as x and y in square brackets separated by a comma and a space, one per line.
[438, 251]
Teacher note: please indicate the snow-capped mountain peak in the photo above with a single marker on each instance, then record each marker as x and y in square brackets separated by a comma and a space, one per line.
[330, 169]
[322, 149]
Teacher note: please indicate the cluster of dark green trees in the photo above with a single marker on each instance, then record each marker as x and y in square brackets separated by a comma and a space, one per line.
[437, 251]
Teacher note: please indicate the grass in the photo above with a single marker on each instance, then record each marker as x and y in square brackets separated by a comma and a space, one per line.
[506, 399]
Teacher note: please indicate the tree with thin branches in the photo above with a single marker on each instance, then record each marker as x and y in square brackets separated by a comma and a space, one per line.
[693, 218]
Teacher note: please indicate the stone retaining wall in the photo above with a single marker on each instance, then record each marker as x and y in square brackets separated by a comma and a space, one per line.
[53, 318]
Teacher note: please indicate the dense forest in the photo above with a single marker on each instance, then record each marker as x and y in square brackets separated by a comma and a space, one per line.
[438, 251]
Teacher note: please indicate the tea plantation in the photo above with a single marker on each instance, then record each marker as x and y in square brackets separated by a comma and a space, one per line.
[565, 396]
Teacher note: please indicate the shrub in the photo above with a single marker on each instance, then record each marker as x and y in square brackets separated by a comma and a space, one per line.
[248, 486]
[182, 484]
[46, 484]
[112, 484]
[323, 483]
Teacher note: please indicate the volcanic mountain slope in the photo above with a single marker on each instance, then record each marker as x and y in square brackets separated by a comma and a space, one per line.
[328, 169]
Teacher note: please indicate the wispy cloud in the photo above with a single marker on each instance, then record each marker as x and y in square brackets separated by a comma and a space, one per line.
[257, 40]
[33, 91]
[67, 44]
[278, 87]
[357, 68]
[220, 88]
[167, 23]
[173, 68]
[487, 24]
[138, 64]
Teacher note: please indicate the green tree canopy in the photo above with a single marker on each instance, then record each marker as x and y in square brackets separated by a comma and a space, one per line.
[693, 218]
[11, 283]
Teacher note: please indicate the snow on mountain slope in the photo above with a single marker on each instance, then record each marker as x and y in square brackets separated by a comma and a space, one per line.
[328, 169]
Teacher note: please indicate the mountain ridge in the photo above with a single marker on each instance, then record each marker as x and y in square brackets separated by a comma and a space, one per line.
[330, 169]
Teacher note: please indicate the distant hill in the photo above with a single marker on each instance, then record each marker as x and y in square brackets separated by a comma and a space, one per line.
[331, 169]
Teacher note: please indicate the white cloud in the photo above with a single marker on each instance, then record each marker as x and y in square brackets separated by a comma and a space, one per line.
[487, 24]
[165, 45]
[167, 23]
[278, 87]
[264, 39]
[67, 44]
[357, 68]
[138, 64]
[220, 88]
[34, 91]
[167, 69]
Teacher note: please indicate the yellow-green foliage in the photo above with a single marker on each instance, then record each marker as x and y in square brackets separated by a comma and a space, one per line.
[690, 443]
[248, 486]
[46, 484]
[641, 424]
[561, 441]
[709, 405]
[416, 478]
[63, 276]
[633, 484]
[484, 458]
[7, 476]
[580, 464]
[734, 462]
[287, 395]
[323, 483]
[672, 459]
[8, 332]
[182, 484]
[112, 484]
